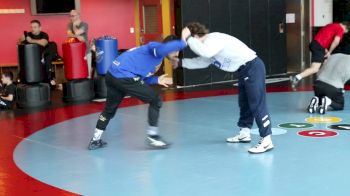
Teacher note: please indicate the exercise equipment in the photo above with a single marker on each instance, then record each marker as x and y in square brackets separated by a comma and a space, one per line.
[75, 65]
[78, 87]
[31, 68]
[33, 95]
[106, 53]
[78, 90]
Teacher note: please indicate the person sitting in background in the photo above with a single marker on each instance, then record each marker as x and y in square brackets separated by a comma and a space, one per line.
[76, 28]
[329, 86]
[36, 36]
[7, 96]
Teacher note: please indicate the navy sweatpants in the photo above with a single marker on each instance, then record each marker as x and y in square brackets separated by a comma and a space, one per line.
[252, 97]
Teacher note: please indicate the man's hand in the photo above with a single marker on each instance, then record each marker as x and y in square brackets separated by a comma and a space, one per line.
[328, 54]
[93, 47]
[76, 23]
[175, 62]
[29, 39]
[165, 81]
[185, 33]
[21, 39]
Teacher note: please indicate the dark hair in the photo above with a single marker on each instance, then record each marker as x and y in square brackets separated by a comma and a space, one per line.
[8, 75]
[197, 28]
[346, 24]
[170, 38]
[36, 21]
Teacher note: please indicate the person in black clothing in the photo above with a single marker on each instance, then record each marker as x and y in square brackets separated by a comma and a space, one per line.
[132, 73]
[7, 95]
[36, 36]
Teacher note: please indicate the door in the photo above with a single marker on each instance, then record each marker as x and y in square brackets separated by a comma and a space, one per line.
[259, 37]
[277, 37]
[151, 28]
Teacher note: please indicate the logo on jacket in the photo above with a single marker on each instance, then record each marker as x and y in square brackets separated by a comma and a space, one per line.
[149, 74]
[115, 62]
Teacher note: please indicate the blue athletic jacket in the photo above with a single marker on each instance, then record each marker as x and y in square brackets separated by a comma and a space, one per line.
[142, 61]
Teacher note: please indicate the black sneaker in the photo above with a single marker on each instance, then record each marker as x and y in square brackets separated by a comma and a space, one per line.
[313, 106]
[294, 82]
[155, 141]
[93, 145]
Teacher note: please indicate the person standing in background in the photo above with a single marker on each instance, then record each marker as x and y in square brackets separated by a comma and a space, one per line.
[78, 29]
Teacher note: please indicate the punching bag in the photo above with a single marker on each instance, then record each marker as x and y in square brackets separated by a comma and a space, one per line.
[31, 68]
[33, 95]
[106, 52]
[75, 66]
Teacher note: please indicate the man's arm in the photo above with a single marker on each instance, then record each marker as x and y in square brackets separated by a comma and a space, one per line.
[196, 63]
[151, 80]
[207, 49]
[162, 80]
[76, 35]
[8, 97]
[70, 30]
[80, 31]
[163, 49]
[21, 39]
[70, 33]
[41, 42]
[334, 44]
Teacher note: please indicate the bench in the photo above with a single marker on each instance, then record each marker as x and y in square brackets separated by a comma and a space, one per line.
[16, 67]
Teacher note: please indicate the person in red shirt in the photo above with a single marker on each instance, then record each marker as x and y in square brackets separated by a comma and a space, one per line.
[321, 47]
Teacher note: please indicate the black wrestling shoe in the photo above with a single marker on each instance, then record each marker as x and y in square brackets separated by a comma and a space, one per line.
[93, 145]
[156, 142]
[313, 106]
[294, 82]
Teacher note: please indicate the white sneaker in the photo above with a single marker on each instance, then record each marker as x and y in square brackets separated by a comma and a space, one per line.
[265, 144]
[156, 141]
[325, 103]
[242, 137]
[313, 106]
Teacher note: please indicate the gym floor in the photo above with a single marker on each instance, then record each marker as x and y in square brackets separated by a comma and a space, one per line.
[43, 152]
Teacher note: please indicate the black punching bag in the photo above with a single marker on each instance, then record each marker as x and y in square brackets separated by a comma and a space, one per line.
[31, 68]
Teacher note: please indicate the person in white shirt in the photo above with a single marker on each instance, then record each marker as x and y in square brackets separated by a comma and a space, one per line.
[230, 54]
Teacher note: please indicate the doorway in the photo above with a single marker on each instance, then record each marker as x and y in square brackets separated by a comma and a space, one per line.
[154, 20]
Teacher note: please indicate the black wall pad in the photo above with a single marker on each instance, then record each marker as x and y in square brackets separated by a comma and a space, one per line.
[260, 24]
